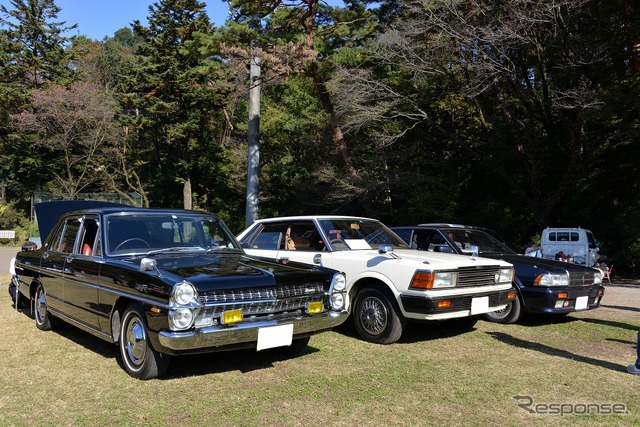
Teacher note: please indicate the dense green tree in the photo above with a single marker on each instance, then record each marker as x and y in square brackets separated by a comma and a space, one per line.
[40, 46]
[172, 99]
[303, 40]
[498, 104]
[34, 53]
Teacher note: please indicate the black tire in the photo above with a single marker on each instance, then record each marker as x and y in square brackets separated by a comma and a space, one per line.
[511, 314]
[139, 358]
[376, 317]
[44, 320]
[464, 323]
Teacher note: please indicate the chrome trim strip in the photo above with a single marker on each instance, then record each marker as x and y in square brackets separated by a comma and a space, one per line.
[224, 335]
[81, 325]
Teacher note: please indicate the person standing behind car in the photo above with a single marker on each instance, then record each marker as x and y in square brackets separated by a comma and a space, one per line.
[27, 246]
[534, 250]
[635, 368]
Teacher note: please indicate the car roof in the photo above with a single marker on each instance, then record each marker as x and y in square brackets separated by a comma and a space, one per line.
[48, 213]
[312, 217]
[442, 225]
[448, 225]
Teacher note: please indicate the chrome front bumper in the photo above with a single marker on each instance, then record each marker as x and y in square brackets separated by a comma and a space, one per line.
[244, 334]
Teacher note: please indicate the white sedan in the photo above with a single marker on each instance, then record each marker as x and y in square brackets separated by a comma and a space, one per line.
[387, 281]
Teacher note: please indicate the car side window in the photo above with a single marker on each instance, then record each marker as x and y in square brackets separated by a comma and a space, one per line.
[69, 234]
[304, 236]
[90, 243]
[423, 239]
[297, 236]
[55, 241]
[405, 234]
[437, 243]
[268, 240]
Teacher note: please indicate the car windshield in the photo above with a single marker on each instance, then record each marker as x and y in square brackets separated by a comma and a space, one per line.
[155, 233]
[470, 241]
[359, 234]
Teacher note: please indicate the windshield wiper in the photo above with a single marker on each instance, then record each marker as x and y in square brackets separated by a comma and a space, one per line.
[178, 249]
[221, 248]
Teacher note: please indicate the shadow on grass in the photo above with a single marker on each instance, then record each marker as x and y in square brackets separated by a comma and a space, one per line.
[551, 351]
[611, 323]
[415, 331]
[243, 360]
[633, 343]
[540, 319]
[621, 307]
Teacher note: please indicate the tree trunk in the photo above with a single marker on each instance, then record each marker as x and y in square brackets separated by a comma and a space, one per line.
[336, 132]
[186, 194]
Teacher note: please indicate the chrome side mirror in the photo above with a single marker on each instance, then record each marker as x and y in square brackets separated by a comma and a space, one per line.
[383, 249]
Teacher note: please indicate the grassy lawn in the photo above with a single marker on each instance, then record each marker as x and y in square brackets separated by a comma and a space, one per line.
[431, 377]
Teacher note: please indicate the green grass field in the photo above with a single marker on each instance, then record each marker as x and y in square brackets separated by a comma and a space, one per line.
[573, 364]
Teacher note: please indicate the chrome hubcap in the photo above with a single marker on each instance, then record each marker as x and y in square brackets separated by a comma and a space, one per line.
[41, 307]
[373, 316]
[136, 342]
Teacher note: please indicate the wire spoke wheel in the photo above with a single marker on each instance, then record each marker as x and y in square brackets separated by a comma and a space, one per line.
[377, 317]
[373, 316]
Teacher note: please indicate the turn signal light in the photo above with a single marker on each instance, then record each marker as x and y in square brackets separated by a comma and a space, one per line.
[423, 280]
[511, 295]
[444, 304]
[562, 295]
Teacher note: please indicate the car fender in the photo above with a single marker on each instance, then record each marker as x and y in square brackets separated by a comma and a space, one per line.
[368, 277]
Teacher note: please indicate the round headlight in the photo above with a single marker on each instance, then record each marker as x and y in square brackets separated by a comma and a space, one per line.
[182, 318]
[339, 282]
[184, 293]
[337, 301]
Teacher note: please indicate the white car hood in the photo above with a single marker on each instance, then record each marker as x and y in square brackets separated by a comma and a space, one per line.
[431, 259]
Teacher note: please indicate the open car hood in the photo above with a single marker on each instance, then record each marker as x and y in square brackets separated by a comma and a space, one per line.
[48, 213]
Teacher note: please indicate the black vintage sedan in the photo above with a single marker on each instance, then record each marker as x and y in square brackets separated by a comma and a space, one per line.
[160, 283]
[544, 286]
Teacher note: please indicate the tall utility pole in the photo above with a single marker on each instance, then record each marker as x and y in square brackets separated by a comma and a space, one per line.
[253, 155]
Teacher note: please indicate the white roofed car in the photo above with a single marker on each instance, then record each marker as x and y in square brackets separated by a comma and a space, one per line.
[387, 282]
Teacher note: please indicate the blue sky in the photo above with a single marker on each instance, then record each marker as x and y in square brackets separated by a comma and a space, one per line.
[97, 19]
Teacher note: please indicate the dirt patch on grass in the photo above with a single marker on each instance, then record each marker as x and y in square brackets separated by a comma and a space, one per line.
[621, 301]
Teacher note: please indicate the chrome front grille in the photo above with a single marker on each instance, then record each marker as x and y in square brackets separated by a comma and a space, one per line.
[261, 301]
[288, 305]
[477, 276]
[231, 296]
[581, 279]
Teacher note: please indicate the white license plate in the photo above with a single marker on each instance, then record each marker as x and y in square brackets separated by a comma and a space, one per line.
[275, 336]
[479, 305]
[582, 302]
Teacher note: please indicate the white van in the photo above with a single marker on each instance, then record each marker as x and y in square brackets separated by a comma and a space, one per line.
[578, 244]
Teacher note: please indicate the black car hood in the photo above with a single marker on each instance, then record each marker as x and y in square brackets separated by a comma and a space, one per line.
[225, 270]
[534, 262]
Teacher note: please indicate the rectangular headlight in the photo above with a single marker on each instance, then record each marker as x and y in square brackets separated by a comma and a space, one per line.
[505, 275]
[434, 280]
[552, 280]
[597, 278]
